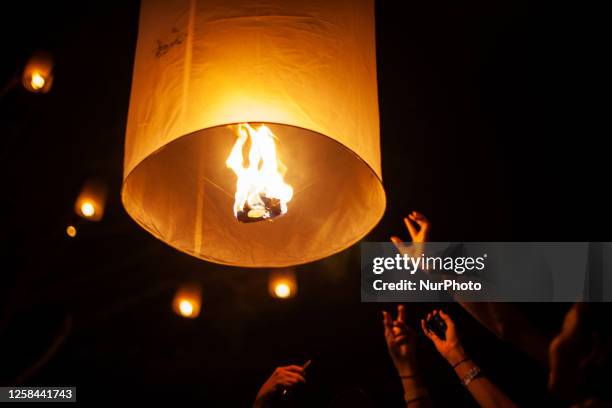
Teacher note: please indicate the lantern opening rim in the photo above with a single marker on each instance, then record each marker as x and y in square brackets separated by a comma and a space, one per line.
[212, 259]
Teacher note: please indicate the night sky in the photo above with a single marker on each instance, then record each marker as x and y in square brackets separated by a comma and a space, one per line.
[486, 127]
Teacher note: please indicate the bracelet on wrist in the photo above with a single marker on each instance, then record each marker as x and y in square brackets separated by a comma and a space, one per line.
[474, 373]
[457, 364]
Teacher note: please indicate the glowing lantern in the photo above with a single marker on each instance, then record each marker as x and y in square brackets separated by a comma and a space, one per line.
[282, 284]
[91, 201]
[188, 301]
[87, 209]
[38, 73]
[253, 133]
[71, 231]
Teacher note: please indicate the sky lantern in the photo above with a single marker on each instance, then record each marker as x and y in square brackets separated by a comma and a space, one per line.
[71, 231]
[187, 301]
[253, 130]
[38, 73]
[282, 283]
[91, 200]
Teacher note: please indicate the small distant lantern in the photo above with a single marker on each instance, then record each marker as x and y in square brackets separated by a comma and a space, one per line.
[282, 284]
[253, 133]
[38, 73]
[188, 301]
[91, 200]
[71, 231]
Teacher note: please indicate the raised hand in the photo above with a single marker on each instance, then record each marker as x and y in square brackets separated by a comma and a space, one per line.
[401, 341]
[282, 378]
[450, 348]
[418, 227]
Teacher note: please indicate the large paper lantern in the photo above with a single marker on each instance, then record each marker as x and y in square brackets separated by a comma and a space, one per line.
[253, 133]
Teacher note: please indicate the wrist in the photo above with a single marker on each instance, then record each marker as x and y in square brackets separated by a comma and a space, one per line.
[262, 397]
[456, 355]
[259, 402]
[407, 373]
[406, 367]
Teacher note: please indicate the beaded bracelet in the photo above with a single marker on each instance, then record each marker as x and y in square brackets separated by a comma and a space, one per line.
[474, 373]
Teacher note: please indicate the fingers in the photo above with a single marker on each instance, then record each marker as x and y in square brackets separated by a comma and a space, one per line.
[400, 327]
[432, 336]
[294, 368]
[399, 244]
[447, 319]
[419, 218]
[285, 383]
[294, 377]
[410, 227]
[424, 328]
[395, 329]
[401, 314]
[289, 375]
[289, 381]
[423, 224]
[388, 322]
[387, 319]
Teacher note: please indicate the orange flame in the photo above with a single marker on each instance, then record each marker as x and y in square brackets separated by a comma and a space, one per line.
[261, 192]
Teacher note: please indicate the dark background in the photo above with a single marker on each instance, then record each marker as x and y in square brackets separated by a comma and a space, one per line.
[486, 127]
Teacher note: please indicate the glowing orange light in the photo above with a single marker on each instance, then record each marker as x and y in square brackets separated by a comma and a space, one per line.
[247, 85]
[261, 192]
[187, 301]
[38, 73]
[186, 308]
[37, 81]
[91, 200]
[87, 209]
[282, 283]
[282, 290]
[71, 231]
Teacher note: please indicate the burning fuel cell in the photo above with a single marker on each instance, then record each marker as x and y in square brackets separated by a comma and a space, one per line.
[261, 192]
[268, 210]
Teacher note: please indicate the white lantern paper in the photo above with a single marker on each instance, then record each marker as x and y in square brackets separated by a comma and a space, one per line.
[307, 69]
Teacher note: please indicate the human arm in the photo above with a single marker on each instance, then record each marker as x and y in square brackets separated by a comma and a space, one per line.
[282, 378]
[487, 394]
[401, 341]
[504, 320]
